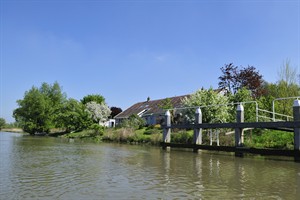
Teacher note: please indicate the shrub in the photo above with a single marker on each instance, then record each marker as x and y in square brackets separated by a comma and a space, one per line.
[182, 136]
[273, 139]
[134, 121]
[98, 129]
[152, 130]
[156, 138]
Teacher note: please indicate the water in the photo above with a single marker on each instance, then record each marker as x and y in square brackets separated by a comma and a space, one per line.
[52, 168]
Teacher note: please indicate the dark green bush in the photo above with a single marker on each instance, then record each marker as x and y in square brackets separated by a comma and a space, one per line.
[273, 139]
[182, 136]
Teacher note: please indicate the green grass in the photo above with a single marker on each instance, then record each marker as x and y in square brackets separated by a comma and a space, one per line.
[153, 135]
[270, 139]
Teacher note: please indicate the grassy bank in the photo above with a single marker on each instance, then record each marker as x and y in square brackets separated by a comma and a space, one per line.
[153, 136]
[261, 138]
[121, 135]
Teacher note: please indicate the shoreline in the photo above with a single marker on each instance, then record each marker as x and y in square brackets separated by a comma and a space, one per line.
[12, 130]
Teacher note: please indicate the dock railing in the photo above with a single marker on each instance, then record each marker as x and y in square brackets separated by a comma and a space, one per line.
[239, 126]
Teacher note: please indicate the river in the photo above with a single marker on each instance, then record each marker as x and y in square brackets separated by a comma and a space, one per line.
[52, 168]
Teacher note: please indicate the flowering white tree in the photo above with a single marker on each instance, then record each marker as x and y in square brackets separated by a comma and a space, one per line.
[98, 112]
[207, 98]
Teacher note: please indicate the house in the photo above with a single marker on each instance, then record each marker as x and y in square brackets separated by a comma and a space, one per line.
[151, 111]
[109, 123]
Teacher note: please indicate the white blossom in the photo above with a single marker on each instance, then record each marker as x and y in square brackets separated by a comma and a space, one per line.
[98, 112]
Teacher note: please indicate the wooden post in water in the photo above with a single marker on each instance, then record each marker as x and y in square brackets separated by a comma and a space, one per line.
[198, 131]
[296, 113]
[239, 133]
[167, 129]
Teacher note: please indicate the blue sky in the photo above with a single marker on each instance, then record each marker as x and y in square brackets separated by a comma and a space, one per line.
[129, 50]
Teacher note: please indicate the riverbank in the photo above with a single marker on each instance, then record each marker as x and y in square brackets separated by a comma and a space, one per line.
[148, 135]
[13, 130]
[144, 135]
[153, 136]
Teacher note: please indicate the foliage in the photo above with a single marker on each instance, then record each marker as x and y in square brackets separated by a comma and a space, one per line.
[204, 98]
[285, 90]
[39, 110]
[98, 112]
[73, 116]
[166, 104]
[84, 134]
[270, 139]
[114, 111]
[287, 73]
[2, 123]
[234, 79]
[150, 130]
[243, 95]
[97, 128]
[99, 99]
[228, 79]
[182, 136]
[47, 107]
[134, 121]
[279, 90]
[252, 80]
[130, 135]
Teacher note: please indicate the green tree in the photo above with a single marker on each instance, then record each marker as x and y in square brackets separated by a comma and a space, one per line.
[2, 123]
[243, 95]
[286, 90]
[286, 86]
[39, 109]
[234, 79]
[93, 97]
[206, 98]
[166, 104]
[73, 116]
[287, 73]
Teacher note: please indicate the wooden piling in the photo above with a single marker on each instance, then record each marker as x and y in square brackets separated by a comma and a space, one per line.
[197, 140]
[239, 133]
[167, 129]
[296, 114]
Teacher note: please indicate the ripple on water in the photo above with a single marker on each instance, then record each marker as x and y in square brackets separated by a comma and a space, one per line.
[44, 168]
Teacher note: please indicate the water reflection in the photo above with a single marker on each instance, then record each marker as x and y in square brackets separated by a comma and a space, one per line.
[51, 168]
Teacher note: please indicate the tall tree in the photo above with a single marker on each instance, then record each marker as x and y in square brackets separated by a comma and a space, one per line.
[207, 98]
[286, 87]
[228, 79]
[233, 79]
[287, 73]
[250, 78]
[115, 111]
[2, 123]
[38, 110]
[98, 112]
[73, 116]
[99, 99]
